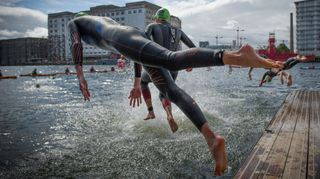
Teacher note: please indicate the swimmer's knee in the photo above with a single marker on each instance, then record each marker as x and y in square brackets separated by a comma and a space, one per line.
[174, 93]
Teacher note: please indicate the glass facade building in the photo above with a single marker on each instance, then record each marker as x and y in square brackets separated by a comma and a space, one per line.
[308, 27]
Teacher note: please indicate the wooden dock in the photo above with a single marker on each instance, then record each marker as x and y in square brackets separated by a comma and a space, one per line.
[290, 146]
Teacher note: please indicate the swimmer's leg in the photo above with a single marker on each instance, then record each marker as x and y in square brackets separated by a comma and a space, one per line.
[215, 142]
[217, 149]
[145, 80]
[155, 56]
[166, 104]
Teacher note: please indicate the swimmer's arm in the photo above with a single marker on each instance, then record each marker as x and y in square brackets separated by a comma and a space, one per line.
[148, 31]
[76, 45]
[135, 93]
[249, 73]
[137, 70]
[82, 83]
[188, 42]
[77, 56]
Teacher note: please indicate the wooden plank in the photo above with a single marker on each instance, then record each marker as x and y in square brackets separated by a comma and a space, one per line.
[277, 121]
[275, 161]
[314, 138]
[296, 162]
[290, 147]
[263, 147]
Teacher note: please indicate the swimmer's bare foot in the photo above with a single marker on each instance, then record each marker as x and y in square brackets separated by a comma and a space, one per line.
[172, 123]
[150, 116]
[254, 60]
[247, 57]
[218, 152]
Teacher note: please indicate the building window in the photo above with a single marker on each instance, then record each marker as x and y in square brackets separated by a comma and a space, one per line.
[112, 14]
[117, 13]
[62, 20]
[134, 11]
[129, 12]
[117, 19]
[140, 11]
[122, 18]
[107, 14]
[122, 12]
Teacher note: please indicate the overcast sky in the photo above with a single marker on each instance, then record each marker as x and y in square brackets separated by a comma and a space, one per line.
[201, 19]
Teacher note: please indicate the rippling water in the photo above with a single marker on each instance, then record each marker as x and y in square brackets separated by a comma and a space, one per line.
[51, 132]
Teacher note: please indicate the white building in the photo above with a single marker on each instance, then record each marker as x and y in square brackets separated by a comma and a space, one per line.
[135, 14]
[308, 27]
[58, 36]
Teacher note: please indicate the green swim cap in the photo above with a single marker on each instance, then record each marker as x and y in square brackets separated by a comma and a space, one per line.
[162, 14]
[79, 14]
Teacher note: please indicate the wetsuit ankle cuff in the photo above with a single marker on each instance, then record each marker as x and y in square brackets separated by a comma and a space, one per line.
[218, 58]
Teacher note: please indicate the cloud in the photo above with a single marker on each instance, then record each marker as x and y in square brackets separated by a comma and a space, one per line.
[231, 24]
[8, 2]
[204, 19]
[22, 22]
[36, 32]
[9, 34]
[19, 12]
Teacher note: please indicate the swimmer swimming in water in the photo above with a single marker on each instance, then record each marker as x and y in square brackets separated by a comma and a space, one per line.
[107, 34]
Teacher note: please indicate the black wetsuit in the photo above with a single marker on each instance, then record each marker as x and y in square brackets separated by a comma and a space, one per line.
[169, 37]
[292, 61]
[107, 34]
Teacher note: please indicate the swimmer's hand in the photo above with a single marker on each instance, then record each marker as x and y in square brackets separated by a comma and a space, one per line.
[135, 93]
[188, 69]
[135, 96]
[84, 88]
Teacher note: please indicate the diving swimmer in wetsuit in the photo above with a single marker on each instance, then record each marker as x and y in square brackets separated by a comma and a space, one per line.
[107, 34]
[271, 73]
[169, 37]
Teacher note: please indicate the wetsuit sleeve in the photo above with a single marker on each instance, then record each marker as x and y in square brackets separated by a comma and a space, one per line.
[148, 31]
[290, 63]
[137, 70]
[76, 45]
[186, 40]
